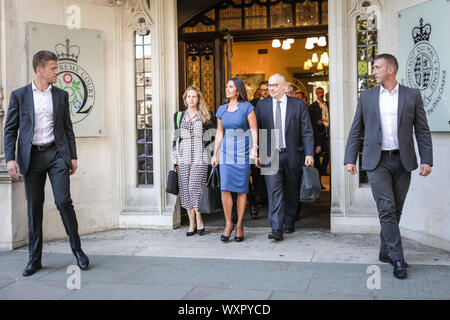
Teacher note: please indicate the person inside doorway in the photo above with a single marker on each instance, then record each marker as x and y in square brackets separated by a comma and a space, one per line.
[319, 111]
[264, 91]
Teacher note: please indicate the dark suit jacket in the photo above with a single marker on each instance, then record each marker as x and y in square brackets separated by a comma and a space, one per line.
[298, 130]
[316, 114]
[411, 114]
[20, 121]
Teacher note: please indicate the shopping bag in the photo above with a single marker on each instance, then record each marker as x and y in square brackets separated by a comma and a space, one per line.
[172, 183]
[211, 199]
[310, 185]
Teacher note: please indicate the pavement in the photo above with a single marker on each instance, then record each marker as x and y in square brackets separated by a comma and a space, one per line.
[165, 264]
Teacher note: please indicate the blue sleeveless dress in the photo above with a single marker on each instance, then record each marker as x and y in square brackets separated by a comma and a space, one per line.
[234, 152]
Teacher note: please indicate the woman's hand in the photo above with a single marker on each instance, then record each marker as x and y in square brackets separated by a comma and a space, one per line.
[214, 161]
[254, 153]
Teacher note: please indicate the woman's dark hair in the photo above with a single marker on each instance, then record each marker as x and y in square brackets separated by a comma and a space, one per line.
[242, 91]
[41, 58]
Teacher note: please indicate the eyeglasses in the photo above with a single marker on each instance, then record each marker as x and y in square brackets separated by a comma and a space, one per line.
[273, 85]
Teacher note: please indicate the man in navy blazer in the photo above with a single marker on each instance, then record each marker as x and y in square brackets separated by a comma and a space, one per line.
[39, 118]
[294, 145]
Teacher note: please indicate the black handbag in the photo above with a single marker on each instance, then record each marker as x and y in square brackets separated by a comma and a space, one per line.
[310, 185]
[211, 199]
[172, 183]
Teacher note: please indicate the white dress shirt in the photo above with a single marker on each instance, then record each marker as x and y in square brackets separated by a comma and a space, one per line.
[388, 117]
[283, 106]
[43, 115]
[325, 117]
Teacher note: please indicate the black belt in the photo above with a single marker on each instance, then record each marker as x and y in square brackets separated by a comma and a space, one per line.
[390, 152]
[43, 147]
[282, 150]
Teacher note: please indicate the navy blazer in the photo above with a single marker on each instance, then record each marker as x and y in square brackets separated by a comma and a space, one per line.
[20, 122]
[298, 130]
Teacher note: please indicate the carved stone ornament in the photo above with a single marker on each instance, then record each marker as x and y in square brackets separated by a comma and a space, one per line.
[140, 20]
[118, 3]
[366, 9]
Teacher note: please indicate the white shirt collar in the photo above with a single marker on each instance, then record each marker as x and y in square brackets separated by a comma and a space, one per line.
[35, 88]
[283, 99]
[383, 90]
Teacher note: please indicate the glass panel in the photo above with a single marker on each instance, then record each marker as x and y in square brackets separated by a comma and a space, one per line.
[372, 83]
[361, 25]
[281, 15]
[139, 79]
[149, 136]
[147, 52]
[141, 178]
[141, 136]
[140, 93]
[208, 81]
[325, 12]
[141, 151]
[148, 78]
[148, 121]
[139, 66]
[307, 13]
[141, 108]
[150, 149]
[139, 52]
[150, 178]
[139, 39]
[362, 68]
[149, 163]
[372, 38]
[373, 52]
[148, 108]
[193, 72]
[362, 54]
[362, 84]
[230, 18]
[148, 65]
[255, 17]
[147, 39]
[362, 38]
[148, 94]
[140, 122]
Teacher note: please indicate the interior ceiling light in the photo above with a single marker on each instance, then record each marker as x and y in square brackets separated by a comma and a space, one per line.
[309, 44]
[319, 66]
[291, 41]
[310, 64]
[286, 45]
[322, 42]
[306, 65]
[324, 59]
[276, 43]
[315, 58]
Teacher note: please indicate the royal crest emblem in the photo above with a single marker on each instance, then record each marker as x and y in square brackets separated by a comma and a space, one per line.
[423, 68]
[75, 80]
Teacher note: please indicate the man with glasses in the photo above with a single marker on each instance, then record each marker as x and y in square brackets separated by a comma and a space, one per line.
[264, 91]
[288, 119]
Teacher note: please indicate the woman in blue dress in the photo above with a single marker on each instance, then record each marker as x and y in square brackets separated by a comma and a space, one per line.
[237, 141]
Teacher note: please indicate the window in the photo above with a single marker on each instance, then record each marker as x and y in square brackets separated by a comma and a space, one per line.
[144, 124]
[367, 50]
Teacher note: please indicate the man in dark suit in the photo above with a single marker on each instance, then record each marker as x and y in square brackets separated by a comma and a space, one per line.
[387, 115]
[294, 143]
[39, 113]
[319, 112]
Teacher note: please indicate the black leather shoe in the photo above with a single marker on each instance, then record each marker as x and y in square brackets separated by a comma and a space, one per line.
[31, 269]
[201, 232]
[82, 259]
[386, 259]
[239, 239]
[277, 236]
[191, 233]
[289, 229]
[226, 238]
[399, 269]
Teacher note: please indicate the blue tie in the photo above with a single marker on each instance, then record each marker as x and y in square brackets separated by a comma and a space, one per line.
[278, 125]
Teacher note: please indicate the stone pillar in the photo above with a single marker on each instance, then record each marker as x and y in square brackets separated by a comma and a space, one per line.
[13, 214]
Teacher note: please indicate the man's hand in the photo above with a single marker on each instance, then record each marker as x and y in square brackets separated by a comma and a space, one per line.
[74, 167]
[350, 167]
[318, 149]
[13, 169]
[425, 169]
[309, 161]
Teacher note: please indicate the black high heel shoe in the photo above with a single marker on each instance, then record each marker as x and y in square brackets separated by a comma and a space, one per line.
[201, 232]
[226, 238]
[191, 233]
[239, 239]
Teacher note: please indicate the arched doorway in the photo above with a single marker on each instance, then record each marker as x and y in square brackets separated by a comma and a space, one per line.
[223, 40]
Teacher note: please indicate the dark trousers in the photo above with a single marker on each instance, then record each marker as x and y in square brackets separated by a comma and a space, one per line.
[322, 166]
[283, 193]
[390, 183]
[43, 163]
